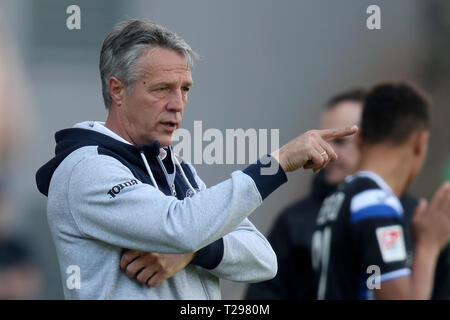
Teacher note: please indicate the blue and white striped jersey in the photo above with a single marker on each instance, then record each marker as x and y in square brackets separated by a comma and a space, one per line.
[359, 240]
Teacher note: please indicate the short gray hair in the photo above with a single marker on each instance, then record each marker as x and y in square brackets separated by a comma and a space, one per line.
[122, 48]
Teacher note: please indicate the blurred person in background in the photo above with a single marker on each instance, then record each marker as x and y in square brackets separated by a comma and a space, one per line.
[292, 232]
[20, 278]
[359, 245]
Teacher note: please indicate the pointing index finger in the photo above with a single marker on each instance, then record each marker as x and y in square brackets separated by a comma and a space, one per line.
[331, 134]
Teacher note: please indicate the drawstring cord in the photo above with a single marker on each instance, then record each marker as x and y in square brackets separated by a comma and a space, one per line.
[184, 175]
[177, 163]
[148, 170]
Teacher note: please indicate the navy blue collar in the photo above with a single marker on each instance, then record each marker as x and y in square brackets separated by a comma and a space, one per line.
[69, 140]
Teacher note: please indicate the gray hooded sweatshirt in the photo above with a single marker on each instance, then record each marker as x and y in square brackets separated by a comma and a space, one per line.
[106, 196]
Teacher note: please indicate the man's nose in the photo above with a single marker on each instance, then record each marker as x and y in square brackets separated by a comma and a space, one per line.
[176, 102]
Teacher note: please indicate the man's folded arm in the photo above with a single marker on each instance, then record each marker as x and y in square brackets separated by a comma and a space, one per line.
[143, 218]
[243, 255]
[247, 256]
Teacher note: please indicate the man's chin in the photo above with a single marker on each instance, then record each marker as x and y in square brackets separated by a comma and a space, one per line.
[165, 141]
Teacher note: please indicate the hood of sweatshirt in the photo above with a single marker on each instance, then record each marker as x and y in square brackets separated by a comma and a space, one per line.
[69, 140]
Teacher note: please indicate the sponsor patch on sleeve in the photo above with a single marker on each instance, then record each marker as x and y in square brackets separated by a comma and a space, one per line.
[391, 243]
[114, 191]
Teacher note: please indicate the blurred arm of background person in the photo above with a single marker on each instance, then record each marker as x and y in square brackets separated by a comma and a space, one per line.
[292, 232]
[19, 276]
[441, 287]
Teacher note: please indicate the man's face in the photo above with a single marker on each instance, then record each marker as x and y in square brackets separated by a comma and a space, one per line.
[154, 110]
[346, 113]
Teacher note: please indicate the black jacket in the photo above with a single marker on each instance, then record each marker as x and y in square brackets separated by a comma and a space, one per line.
[291, 240]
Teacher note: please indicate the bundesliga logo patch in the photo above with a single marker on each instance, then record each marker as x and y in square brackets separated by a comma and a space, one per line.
[392, 246]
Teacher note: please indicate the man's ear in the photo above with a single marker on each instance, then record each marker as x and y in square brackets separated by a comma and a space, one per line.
[420, 142]
[116, 90]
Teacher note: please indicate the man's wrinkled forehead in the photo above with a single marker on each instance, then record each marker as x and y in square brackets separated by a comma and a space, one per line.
[166, 74]
[159, 60]
[163, 69]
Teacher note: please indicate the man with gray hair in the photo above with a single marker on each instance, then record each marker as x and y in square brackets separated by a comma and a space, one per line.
[119, 198]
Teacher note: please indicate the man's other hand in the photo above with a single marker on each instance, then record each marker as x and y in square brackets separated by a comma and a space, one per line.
[153, 268]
